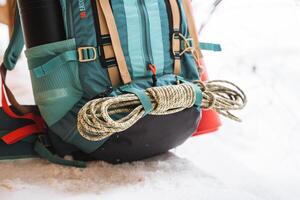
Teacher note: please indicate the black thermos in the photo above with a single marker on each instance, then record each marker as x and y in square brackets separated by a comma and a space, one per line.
[42, 21]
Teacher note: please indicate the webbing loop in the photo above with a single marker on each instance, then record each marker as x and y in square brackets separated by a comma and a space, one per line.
[141, 94]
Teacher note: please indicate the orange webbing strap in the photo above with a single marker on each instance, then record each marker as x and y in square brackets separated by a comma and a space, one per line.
[27, 112]
[175, 35]
[108, 50]
[192, 29]
[115, 41]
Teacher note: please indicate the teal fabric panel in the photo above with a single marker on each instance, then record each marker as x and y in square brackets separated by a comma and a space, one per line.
[135, 34]
[164, 19]
[19, 150]
[93, 77]
[67, 16]
[15, 46]
[156, 34]
[58, 61]
[41, 54]
[58, 91]
[118, 7]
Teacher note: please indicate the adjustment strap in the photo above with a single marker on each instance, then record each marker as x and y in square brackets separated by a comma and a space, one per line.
[210, 46]
[176, 18]
[107, 50]
[114, 49]
[192, 27]
[43, 152]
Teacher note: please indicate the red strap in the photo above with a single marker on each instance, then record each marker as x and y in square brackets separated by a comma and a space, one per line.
[21, 133]
[38, 125]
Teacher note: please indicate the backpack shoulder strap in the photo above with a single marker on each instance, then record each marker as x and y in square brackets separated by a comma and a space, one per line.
[108, 55]
[114, 50]
[192, 29]
[22, 112]
[176, 40]
[15, 46]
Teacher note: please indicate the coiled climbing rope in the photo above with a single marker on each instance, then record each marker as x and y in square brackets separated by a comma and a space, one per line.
[96, 120]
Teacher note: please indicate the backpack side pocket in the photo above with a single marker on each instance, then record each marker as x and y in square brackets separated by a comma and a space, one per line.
[55, 78]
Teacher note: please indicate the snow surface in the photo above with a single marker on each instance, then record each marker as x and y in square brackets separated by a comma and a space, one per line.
[258, 159]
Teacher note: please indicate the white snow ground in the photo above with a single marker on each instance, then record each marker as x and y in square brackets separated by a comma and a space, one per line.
[258, 159]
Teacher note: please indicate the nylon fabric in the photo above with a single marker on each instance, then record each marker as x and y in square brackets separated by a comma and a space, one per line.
[15, 46]
[64, 89]
[135, 33]
[156, 34]
[58, 61]
[57, 92]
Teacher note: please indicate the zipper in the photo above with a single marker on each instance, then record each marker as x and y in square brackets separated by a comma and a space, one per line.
[146, 28]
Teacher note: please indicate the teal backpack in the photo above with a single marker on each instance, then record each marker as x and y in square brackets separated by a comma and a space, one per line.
[113, 48]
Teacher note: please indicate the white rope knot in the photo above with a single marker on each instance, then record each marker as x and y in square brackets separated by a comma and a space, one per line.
[100, 118]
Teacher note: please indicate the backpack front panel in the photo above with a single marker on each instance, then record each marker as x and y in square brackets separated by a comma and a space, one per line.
[145, 34]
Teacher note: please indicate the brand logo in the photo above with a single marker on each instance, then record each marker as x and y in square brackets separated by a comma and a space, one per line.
[82, 9]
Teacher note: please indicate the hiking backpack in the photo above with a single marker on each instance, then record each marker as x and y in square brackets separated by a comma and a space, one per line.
[113, 47]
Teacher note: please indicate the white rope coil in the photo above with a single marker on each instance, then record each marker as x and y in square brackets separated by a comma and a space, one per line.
[100, 118]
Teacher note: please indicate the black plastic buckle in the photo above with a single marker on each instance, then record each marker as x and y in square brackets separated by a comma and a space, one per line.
[176, 33]
[105, 40]
[110, 62]
[42, 138]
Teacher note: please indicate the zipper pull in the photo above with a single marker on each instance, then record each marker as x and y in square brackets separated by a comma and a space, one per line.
[152, 68]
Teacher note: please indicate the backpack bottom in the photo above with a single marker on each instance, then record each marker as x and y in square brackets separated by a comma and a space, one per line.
[151, 136]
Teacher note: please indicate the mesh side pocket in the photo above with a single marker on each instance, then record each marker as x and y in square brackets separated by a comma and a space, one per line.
[59, 90]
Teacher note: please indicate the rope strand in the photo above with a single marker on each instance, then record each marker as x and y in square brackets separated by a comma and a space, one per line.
[97, 119]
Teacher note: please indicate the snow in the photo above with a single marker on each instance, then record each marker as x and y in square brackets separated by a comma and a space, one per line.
[258, 159]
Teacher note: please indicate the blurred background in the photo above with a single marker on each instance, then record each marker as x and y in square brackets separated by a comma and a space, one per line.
[256, 159]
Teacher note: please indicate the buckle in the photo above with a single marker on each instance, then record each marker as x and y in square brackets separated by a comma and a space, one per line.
[81, 55]
[108, 62]
[176, 36]
[44, 140]
[176, 33]
[187, 43]
[105, 40]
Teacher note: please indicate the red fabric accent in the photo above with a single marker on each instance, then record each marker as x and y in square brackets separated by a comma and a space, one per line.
[21, 133]
[38, 125]
[152, 69]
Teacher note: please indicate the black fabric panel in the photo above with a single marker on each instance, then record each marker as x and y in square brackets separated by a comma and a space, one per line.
[151, 136]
